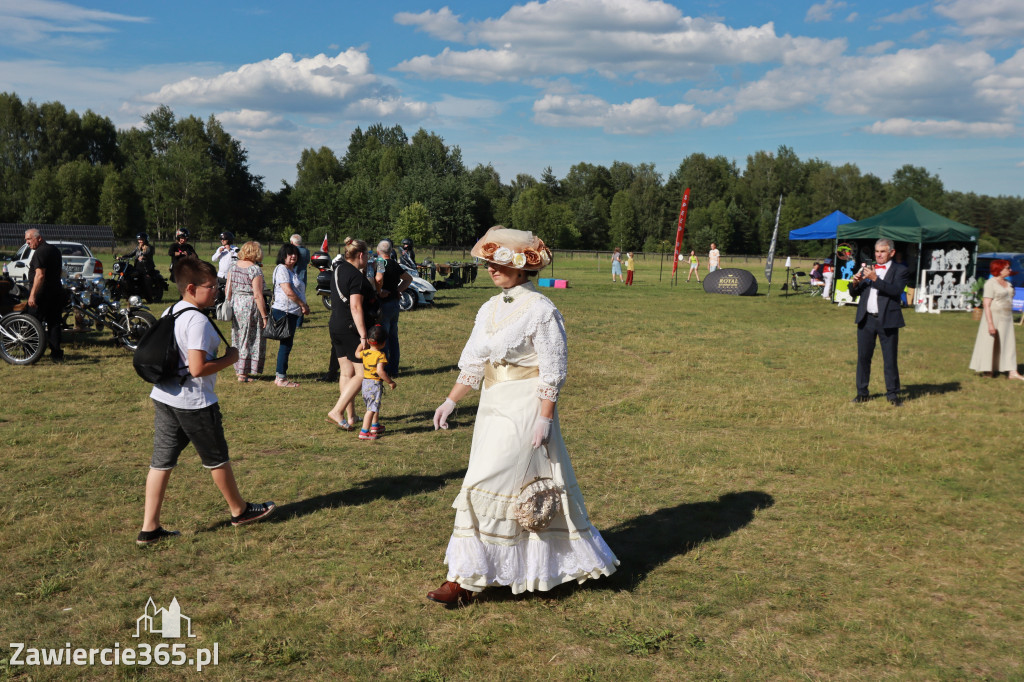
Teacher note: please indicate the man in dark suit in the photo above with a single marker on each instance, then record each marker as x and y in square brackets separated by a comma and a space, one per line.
[879, 316]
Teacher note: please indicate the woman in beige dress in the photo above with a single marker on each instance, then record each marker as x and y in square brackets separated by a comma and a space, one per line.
[995, 349]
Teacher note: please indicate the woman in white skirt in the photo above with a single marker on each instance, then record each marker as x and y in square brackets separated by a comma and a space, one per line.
[995, 349]
[517, 356]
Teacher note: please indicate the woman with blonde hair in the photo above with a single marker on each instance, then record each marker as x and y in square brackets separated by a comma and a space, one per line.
[353, 299]
[249, 311]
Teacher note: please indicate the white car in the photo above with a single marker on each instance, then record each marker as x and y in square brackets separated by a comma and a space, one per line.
[78, 262]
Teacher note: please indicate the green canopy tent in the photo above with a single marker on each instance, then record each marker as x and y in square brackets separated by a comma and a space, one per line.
[909, 222]
[913, 223]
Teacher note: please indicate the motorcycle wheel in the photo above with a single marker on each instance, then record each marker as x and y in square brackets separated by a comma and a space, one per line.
[139, 323]
[407, 301]
[326, 298]
[21, 339]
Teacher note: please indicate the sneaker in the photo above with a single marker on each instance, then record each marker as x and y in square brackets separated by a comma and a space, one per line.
[364, 435]
[148, 537]
[253, 512]
[377, 429]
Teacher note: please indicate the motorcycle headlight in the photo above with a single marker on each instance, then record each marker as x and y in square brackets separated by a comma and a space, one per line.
[134, 300]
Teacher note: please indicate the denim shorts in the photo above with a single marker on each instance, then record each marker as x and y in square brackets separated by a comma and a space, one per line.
[174, 428]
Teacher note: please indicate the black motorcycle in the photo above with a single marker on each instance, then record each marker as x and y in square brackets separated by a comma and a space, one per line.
[323, 263]
[130, 280]
[22, 337]
[88, 305]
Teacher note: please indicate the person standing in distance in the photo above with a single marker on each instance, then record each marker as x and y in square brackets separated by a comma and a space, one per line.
[879, 316]
[714, 257]
[45, 292]
[180, 249]
[300, 267]
[225, 255]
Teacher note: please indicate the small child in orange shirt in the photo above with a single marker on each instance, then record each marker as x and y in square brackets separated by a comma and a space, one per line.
[374, 376]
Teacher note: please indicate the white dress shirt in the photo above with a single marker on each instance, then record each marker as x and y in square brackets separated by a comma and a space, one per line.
[880, 271]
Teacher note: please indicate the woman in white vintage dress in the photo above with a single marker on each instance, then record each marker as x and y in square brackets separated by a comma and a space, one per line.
[517, 355]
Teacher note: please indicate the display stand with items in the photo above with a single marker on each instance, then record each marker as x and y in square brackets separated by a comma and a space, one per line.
[945, 284]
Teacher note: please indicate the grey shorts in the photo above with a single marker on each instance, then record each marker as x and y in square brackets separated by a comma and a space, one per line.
[373, 389]
[174, 428]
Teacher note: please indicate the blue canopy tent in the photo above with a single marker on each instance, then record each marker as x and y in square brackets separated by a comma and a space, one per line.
[826, 228]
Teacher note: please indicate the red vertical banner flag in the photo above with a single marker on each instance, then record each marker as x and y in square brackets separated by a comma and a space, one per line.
[680, 226]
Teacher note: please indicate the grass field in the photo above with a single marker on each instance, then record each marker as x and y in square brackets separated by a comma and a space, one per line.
[767, 528]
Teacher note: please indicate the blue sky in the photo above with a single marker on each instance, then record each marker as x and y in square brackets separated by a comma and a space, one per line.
[938, 84]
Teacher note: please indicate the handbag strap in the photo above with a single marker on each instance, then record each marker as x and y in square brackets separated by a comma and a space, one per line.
[547, 454]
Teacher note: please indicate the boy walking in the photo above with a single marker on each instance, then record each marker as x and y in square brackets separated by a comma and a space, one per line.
[186, 407]
[374, 376]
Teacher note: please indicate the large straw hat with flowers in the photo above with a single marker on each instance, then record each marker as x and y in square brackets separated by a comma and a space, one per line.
[517, 249]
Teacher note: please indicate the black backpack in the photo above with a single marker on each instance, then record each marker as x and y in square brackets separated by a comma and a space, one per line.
[156, 358]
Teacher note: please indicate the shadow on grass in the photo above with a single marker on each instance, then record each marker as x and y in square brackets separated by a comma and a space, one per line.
[644, 543]
[915, 391]
[381, 488]
[428, 370]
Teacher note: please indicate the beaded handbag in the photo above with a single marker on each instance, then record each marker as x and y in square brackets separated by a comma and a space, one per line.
[538, 502]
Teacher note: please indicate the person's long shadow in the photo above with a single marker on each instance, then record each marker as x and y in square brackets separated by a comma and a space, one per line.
[380, 488]
[915, 391]
[644, 543]
[428, 370]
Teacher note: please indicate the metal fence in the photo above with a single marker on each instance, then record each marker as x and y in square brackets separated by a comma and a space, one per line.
[93, 236]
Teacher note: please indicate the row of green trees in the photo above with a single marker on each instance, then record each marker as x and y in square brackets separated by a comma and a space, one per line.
[168, 173]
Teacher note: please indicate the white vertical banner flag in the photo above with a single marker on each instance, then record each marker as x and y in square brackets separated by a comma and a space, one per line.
[770, 262]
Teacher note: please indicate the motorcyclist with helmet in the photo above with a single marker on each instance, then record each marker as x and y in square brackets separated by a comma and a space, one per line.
[142, 259]
[180, 248]
[225, 255]
[408, 255]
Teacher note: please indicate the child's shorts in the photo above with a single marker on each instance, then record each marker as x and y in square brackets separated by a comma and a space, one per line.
[174, 429]
[373, 389]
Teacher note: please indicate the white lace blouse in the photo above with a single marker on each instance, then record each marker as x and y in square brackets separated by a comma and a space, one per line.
[527, 331]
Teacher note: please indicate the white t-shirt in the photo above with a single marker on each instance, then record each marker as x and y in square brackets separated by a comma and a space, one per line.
[713, 256]
[282, 275]
[192, 331]
[225, 257]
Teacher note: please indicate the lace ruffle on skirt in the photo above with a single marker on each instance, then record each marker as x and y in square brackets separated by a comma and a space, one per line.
[488, 547]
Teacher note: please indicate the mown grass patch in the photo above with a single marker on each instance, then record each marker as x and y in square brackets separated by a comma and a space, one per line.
[767, 528]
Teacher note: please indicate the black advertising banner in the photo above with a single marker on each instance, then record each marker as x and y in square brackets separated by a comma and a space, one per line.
[732, 281]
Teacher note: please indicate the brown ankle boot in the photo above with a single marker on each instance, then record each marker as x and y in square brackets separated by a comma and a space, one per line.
[450, 593]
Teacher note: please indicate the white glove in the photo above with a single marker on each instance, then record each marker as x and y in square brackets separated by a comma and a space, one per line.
[442, 413]
[541, 431]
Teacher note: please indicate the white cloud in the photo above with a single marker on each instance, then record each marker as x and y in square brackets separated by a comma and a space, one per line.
[250, 120]
[646, 39]
[939, 81]
[915, 13]
[823, 11]
[36, 21]
[461, 107]
[957, 89]
[986, 18]
[639, 117]
[878, 48]
[853, 17]
[906, 127]
[321, 83]
[442, 24]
